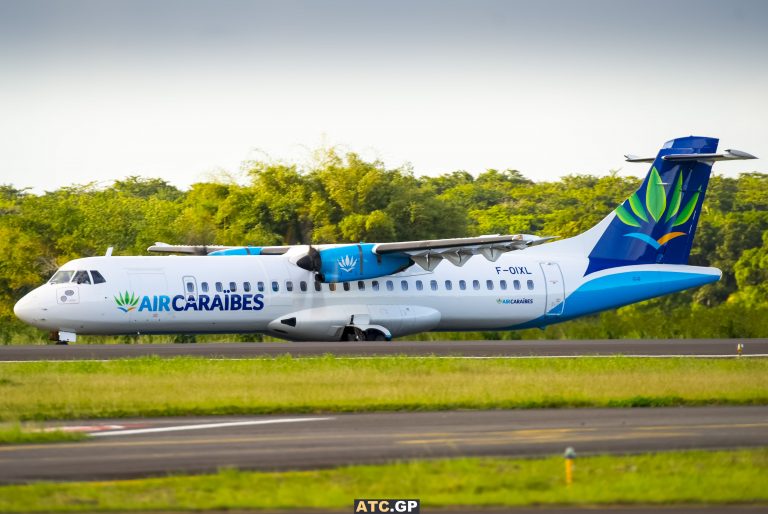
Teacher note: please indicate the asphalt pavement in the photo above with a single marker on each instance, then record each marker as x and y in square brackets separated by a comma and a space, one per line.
[125, 448]
[558, 348]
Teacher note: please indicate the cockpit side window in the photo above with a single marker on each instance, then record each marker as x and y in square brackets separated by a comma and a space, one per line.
[62, 277]
[98, 278]
[81, 277]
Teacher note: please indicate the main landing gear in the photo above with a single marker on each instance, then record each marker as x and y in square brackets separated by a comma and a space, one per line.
[354, 333]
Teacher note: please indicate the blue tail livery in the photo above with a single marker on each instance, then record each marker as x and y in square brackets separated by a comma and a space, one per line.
[657, 223]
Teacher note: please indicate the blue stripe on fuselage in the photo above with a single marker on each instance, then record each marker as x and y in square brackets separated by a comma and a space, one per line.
[619, 289]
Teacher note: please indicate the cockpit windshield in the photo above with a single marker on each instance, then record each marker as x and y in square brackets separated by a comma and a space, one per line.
[62, 277]
[78, 277]
[81, 277]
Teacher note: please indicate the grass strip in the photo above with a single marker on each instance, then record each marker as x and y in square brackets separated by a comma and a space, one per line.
[687, 477]
[16, 433]
[153, 386]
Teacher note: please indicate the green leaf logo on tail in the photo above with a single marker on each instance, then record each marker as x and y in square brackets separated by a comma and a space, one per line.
[656, 209]
[126, 302]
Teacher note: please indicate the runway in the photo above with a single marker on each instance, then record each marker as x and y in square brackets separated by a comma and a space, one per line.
[555, 348]
[125, 448]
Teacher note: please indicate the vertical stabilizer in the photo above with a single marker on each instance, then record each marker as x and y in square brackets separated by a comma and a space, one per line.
[657, 223]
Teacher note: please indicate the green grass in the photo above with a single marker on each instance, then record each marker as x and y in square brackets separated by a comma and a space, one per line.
[668, 478]
[185, 386]
[15, 433]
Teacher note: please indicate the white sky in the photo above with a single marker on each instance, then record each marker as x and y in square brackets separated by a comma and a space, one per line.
[96, 91]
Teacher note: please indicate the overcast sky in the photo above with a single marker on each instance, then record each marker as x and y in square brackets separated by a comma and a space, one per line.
[99, 90]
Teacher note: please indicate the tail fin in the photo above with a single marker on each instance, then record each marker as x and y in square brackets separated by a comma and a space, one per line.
[656, 224]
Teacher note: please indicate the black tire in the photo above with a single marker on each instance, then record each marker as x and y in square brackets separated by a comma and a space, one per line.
[374, 335]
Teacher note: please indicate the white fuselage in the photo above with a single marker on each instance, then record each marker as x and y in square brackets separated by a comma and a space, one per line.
[269, 294]
[194, 294]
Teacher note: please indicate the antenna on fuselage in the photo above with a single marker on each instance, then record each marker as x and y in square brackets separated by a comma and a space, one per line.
[109, 252]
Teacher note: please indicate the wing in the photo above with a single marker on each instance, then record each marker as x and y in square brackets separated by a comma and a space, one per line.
[217, 249]
[428, 254]
[159, 247]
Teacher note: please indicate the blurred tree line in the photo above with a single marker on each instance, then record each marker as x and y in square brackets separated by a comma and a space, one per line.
[343, 198]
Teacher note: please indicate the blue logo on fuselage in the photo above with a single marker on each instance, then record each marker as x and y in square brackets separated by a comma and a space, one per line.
[203, 302]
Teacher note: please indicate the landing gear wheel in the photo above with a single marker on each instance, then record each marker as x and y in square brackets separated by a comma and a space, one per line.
[374, 335]
[61, 342]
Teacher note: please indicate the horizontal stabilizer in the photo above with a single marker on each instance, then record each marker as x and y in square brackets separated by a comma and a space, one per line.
[728, 155]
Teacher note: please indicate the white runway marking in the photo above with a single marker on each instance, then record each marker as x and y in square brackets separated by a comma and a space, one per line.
[206, 425]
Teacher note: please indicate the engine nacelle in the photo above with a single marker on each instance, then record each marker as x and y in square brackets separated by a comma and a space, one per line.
[351, 262]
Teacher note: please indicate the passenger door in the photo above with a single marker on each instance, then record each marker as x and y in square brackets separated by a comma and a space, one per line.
[555, 288]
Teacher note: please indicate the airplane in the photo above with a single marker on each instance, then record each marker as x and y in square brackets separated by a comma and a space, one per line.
[378, 291]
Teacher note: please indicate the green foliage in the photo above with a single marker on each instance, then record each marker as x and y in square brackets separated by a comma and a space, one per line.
[671, 478]
[156, 386]
[16, 433]
[343, 198]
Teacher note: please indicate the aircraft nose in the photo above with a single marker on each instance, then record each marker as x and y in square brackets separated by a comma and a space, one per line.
[25, 308]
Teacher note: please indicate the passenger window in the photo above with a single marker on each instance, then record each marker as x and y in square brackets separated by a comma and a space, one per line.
[404, 285]
[332, 287]
[433, 285]
[232, 287]
[476, 285]
[81, 277]
[375, 285]
[303, 286]
[97, 277]
[489, 285]
[530, 285]
[246, 287]
[275, 286]
[288, 286]
[390, 285]
[260, 286]
[462, 285]
[503, 285]
[190, 287]
[360, 285]
[419, 285]
[346, 286]
[318, 286]
[62, 277]
[218, 287]
[204, 287]
[516, 283]
[448, 285]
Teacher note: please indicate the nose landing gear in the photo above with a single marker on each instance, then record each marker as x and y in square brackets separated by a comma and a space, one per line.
[62, 337]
